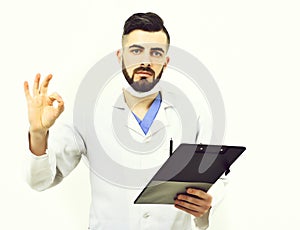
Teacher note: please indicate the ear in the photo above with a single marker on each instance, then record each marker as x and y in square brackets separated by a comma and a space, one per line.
[119, 55]
[167, 61]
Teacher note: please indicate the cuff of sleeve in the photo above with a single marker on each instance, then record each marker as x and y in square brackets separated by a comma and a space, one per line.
[202, 222]
[40, 171]
[35, 157]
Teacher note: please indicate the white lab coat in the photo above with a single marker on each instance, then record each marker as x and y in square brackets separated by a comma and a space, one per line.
[112, 206]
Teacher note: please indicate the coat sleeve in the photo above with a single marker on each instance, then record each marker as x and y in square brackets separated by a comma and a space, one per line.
[218, 189]
[64, 150]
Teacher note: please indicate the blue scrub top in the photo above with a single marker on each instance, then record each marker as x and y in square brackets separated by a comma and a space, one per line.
[147, 121]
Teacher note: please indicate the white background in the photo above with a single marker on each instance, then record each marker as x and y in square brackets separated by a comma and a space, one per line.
[250, 47]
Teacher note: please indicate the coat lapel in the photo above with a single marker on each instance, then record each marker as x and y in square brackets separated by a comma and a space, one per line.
[128, 120]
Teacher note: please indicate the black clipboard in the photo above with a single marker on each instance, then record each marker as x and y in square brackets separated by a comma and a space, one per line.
[191, 165]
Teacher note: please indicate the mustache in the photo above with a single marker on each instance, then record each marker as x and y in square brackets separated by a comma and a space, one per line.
[147, 69]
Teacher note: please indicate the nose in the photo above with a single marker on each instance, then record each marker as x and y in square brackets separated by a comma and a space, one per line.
[146, 61]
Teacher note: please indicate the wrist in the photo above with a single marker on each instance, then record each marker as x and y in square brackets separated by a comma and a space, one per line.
[38, 141]
[38, 132]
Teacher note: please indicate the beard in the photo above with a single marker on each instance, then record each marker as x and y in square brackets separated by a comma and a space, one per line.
[143, 84]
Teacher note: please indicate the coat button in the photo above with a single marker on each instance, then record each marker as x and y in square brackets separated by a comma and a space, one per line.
[146, 215]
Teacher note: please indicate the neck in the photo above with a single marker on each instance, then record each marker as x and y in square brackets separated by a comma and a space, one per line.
[139, 105]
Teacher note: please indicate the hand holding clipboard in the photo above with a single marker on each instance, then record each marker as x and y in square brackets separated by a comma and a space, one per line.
[191, 165]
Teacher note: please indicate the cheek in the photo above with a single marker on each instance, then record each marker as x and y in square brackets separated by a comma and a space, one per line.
[158, 68]
[129, 70]
[132, 61]
[130, 66]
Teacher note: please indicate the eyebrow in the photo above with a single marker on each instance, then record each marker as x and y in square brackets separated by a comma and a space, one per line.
[141, 47]
[136, 46]
[157, 49]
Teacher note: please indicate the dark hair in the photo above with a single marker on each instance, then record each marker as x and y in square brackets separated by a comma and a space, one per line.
[150, 22]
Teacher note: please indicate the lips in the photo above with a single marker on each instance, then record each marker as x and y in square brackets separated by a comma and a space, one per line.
[145, 73]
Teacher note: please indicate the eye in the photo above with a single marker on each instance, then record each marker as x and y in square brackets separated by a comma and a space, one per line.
[136, 51]
[156, 54]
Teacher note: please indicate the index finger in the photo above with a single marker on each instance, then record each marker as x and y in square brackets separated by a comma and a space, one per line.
[197, 192]
[26, 90]
[45, 83]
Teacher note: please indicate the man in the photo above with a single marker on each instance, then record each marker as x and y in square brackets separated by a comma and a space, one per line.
[143, 57]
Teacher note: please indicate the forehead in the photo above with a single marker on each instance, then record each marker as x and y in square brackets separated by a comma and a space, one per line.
[145, 38]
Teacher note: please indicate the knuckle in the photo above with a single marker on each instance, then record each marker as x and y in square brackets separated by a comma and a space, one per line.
[182, 197]
[206, 206]
[188, 198]
[181, 203]
[209, 198]
[191, 190]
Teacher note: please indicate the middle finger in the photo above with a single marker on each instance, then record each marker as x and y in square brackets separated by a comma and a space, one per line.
[45, 83]
[35, 90]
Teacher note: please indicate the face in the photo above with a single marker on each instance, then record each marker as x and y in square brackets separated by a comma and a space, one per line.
[143, 58]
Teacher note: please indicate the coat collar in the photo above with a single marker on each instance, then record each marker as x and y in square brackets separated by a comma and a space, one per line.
[160, 122]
